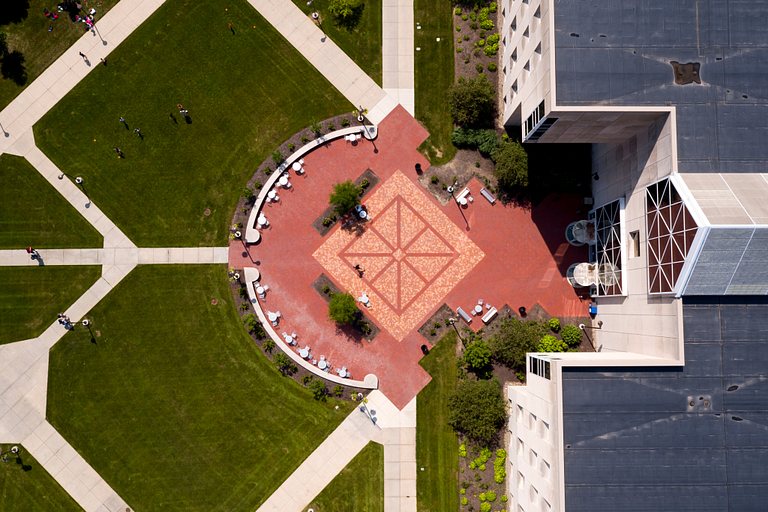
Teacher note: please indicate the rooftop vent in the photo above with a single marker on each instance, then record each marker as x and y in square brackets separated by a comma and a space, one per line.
[686, 73]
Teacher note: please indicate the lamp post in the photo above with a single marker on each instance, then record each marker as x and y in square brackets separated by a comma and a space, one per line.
[364, 408]
[583, 327]
[453, 323]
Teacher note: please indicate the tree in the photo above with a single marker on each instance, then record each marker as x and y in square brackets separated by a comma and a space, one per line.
[343, 8]
[551, 344]
[342, 308]
[571, 335]
[473, 102]
[281, 361]
[319, 391]
[477, 355]
[511, 165]
[345, 196]
[477, 409]
[513, 340]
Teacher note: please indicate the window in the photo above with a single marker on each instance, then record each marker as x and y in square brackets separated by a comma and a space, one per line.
[514, 89]
[634, 244]
[546, 507]
[539, 367]
[514, 55]
[520, 446]
[533, 457]
[526, 34]
[533, 494]
[537, 14]
[534, 118]
[545, 467]
[544, 430]
[519, 413]
[538, 50]
[514, 24]
[520, 480]
[531, 421]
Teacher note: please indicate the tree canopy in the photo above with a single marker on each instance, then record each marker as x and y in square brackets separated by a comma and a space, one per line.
[513, 340]
[345, 196]
[473, 102]
[551, 344]
[477, 409]
[511, 165]
[477, 355]
[343, 8]
[342, 308]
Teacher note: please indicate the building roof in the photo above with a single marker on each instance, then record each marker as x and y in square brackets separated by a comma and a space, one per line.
[633, 441]
[617, 53]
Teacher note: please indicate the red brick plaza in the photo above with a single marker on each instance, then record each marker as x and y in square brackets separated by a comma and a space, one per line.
[417, 255]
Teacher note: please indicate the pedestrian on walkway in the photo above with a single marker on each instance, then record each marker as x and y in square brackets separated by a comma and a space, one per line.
[104, 61]
[360, 271]
[32, 253]
[83, 56]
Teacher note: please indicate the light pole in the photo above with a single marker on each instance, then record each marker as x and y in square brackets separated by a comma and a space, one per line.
[453, 323]
[583, 327]
[364, 408]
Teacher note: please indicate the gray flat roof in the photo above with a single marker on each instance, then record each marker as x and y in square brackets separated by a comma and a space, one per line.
[615, 52]
[634, 442]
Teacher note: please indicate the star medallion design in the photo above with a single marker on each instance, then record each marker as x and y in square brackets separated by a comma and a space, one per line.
[412, 254]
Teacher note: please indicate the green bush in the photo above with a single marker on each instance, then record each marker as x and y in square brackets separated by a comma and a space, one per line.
[464, 17]
[342, 308]
[343, 8]
[493, 7]
[431, 332]
[485, 507]
[481, 34]
[277, 156]
[304, 139]
[486, 25]
[520, 376]
[316, 128]
[479, 67]
[473, 16]
[242, 292]
[481, 43]
[551, 344]
[466, 37]
[511, 342]
[464, 500]
[364, 328]
[473, 102]
[244, 306]
[345, 196]
[492, 67]
[281, 361]
[365, 182]
[477, 409]
[305, 379]
[319, 391]
[268, 345]
[338, 390]
[326, 289]
[444, 186]
[447, 322]
[504, 499]
[571, 335]
[458, 50]
[465, 484]
[484, 141]
[493, 39]
[327, 222]
[462, 450]
[473, 465]
[491, 49]
[554, 324]
[482, 496]
[457, 12]
[499, 468]
[473, 25]
[434, 178]
[490, 496]
[477, 355]
[481, 467]
[476, 52]
[268, 171]
[291, 146]
[466, 61]
[511, 165]
[248, 193]
[458, 28]
[257, 185]
[438, 325]
[344, 121]
[463, 491]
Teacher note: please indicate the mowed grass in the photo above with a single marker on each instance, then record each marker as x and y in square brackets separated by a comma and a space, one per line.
[437, 447]
[32, 47]
[359, 38]
[246, 93]
[433, 66]
[173, 404]
[31, 297]
[33, 213]
[26, 487]
[358, 488]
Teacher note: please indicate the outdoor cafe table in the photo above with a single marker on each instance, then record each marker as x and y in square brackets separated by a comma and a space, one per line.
[296, 166]
[322, 365]
[283, 180]
[272, 316]
[271, 194]
[304, 353]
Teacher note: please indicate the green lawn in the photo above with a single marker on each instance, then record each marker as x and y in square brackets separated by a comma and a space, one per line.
[437, 447]
[26, 486]
[32, 48]
[359, 487]
[246, 93]
[173, 404]
[33, 213]
[360, 39]
[434, 76]
[31, 297]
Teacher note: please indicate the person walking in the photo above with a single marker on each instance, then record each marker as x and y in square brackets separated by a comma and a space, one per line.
[104, 61]
[137, 132]
[118, 151]
[83, 56]
[360, 271]
[33, 254]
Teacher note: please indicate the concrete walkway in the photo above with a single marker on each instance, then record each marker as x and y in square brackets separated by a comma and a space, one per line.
[115, 256]
[326, 56]
[393, 428]
[397, 52]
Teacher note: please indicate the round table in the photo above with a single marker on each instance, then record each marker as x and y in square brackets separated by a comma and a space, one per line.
[463, 201]
[304, 353]
[262, 220]
[296, 166]
[363, 215]
[479, 308]
[260, 290]
[322, 365]
[271, 194]
[283, 180]
[272, 317]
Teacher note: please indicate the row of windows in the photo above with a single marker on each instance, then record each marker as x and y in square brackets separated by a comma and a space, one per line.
[533, 495]
[541, 465]
[531, 422]
[539, 367]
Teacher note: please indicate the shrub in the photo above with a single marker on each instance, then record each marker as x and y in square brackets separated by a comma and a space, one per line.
[281, 361]
[458, 28]
[316, 128]
[338, 390]
[491, 49]
[342, 308]
[481, 467]
[477, 355]
[551, 344]
[493, 39]
[466, 37]
[511, 342]
[486, 25]
[291, 146]
[473, 25]
[511, 165]
[438, 325]
[327, 222]
[464, 500]
[304, 139]
[504, 499]
[365, 182]
[464, 17]
[483, 140]
[499, 470]
[364, 328]
[444, 186]
[457, 11]
[481, 43]
[463, 491]
[472, 465]
[492, 67]
[485, 507]
[493, 7]
[481, 34]
[305, 379]
[473, 102]
[244, 306]
[520, 376]
[462, 450]
[331, 127]
[482, 496]
[465, 484]
[482, 75]
[319, 391]
[250, 321]
[447, 322]
[490, 496]
[277, 156]
[466, 61]
[479, 67]
[345, 196]
[248, 193]
[571, 335]
[478, 477]
[431, 332]
[268, 345]
[344, 121]
[267, 171]
[343, 8]
[477, 409]
[553, 324]
[473, 16]
[476, 52]
[434, 178]
[461, 78]
[477, 164]
[257, 185]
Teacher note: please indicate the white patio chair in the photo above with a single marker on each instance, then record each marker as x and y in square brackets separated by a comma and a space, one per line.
[470, 199]
[480, 302]
[358, 136]
[348, 375]
[327, 369]
[322, 358]
[301, 161]
[274, 324]
[293, 335]
[314, 362]
[266, 287]
[267, 199]
[278, 314]
[288, 185]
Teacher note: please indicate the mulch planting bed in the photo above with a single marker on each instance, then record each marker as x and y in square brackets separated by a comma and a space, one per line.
[468, 39]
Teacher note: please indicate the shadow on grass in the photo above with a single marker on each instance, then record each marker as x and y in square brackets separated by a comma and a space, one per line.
[14, 11]
[12, 67]
[351, 21]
